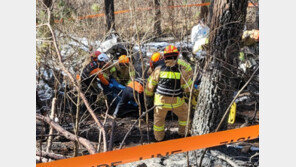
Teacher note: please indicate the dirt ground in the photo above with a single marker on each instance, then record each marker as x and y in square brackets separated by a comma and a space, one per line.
[246, 116]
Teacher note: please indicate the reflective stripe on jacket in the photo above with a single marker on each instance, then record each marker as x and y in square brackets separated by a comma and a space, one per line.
[169, 83]
[185, 64]
[153, 80]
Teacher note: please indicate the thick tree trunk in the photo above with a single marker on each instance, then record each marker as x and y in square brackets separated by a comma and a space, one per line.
[109, 13]
[228, 18]
[157, 17]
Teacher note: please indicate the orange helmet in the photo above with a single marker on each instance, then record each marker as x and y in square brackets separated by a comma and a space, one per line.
[123, 59]
[77, 77]
[170, 51]
[154, 58]
[256, 35]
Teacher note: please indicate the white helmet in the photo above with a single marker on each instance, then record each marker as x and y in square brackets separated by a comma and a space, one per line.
[103, 57]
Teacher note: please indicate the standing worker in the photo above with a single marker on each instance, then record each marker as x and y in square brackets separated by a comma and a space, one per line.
[169, 81]
[133, 92]
[157, 60]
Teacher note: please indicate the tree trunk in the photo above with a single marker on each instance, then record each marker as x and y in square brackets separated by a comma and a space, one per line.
[157, 17]
[227, 22]
[171, 16]
[109, 13]
[47, 3]
[203, 12]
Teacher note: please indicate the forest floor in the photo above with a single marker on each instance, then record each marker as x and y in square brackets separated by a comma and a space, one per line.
[247, 114]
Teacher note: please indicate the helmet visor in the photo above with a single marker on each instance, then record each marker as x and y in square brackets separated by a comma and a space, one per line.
[171, 56]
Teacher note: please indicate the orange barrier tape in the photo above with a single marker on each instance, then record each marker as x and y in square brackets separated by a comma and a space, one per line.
[140, 9]
[160, 149]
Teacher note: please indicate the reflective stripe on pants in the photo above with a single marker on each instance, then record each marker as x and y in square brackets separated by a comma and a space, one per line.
[157, 101]
[158, 128]
[160, 113]
[182, 123]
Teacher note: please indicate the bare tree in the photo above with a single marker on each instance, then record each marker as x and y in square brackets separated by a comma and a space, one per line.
[47, 3]
[109, 13]
[203, 11]
[157, 16]
[228, 18]
[171, 15]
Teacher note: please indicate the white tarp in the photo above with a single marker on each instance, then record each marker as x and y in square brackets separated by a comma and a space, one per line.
[199, 31]
[199, 34]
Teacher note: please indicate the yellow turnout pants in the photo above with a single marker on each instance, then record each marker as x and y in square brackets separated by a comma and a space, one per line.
[164, 104]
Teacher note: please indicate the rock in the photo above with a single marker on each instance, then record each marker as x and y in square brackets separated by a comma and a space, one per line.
[246, 149]
[142, 165]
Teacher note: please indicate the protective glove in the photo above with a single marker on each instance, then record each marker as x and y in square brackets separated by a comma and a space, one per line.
[116, 84]
[196, 86]
[90, 67]
[133, 103]
[121, 87]
[110, 85]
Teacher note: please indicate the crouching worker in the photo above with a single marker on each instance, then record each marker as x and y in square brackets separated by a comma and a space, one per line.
[105, 78]
[155, 60]
[133, 92]
[122, 69]
[169, 81]
[88, 81]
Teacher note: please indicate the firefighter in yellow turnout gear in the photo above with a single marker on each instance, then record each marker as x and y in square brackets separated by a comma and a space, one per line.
[169, 81]
[157, 59]
[122, 69]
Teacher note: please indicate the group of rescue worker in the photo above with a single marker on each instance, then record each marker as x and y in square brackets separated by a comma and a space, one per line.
[165, 83]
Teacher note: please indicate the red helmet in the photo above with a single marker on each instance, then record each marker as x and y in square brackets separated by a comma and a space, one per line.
[95, 55]
[170, 51]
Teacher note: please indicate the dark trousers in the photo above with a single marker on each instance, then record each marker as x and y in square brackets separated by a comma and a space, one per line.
[126, 104]
[113, 96]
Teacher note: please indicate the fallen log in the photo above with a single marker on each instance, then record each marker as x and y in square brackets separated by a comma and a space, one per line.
[86, 143]
[228, 159]
[50, 155]
[49, 141]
